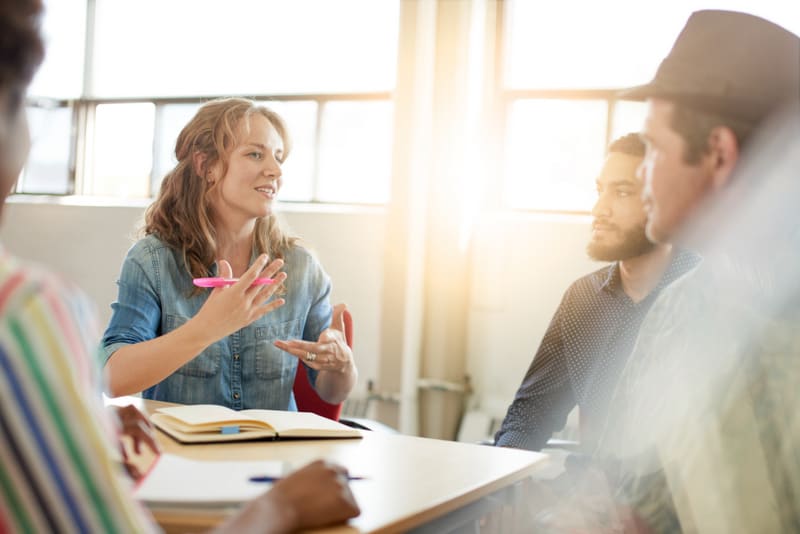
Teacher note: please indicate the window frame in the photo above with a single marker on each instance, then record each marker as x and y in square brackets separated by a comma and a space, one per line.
[509, 96]
[82, 136]
[82, 126]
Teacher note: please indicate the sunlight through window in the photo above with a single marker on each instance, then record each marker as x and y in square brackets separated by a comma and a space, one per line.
[554, 148]
[123, 150]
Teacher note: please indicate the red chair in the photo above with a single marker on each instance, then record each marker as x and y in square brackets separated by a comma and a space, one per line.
[306, 396]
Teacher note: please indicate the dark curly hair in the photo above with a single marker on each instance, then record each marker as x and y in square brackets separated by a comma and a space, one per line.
[630, 144]
[21, 48]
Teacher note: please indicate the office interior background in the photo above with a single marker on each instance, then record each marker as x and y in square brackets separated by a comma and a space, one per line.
[443, 168]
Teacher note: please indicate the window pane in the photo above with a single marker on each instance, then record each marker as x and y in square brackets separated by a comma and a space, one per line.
[355, 152]
[61, 73]
[205, 47]
[172, 119]
[554, 150]
[47, 169]
[628, 118]
[123, 150]
[614, 43]
[298, 171]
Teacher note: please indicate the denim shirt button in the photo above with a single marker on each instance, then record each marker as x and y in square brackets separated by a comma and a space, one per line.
[235, 395]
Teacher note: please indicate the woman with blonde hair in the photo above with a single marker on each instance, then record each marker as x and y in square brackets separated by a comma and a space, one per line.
[57, 457]
[235, 345]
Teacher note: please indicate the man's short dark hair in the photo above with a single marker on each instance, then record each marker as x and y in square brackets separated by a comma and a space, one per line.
[630, 144]
[694, 126]
[21, 47]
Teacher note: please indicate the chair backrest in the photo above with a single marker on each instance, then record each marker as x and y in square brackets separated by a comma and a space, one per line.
[304, 393]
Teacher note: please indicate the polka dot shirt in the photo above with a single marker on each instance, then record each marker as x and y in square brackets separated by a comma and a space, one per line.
[581, 357]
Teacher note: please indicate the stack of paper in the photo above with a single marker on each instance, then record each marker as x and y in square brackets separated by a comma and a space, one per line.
[177, 482]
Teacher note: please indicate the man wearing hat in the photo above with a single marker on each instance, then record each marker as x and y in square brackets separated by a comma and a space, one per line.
[704, 434]
[704, 420]
[725, 74]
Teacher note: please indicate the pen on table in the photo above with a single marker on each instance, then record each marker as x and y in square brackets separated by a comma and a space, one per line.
[276, 479]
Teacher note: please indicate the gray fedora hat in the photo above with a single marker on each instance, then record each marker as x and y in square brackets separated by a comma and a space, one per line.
[728, 62]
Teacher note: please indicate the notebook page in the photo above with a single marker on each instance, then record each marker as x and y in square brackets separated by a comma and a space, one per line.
[176, 481]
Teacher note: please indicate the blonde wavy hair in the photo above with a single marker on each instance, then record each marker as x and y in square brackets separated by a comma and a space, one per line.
[181, 215]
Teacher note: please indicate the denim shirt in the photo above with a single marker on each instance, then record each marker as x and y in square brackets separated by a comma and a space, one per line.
[241, 371]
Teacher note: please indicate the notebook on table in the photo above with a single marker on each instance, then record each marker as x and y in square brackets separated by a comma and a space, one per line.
[209, 423]
[175, 482]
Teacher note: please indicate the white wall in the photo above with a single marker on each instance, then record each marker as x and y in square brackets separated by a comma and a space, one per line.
[522, 263]
[84, 243]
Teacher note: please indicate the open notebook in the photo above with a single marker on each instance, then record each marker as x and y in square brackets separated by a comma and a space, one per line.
[206, 423]
[176, 482]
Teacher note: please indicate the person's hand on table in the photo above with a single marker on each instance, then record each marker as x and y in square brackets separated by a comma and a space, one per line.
[314, 496]
[135, 425]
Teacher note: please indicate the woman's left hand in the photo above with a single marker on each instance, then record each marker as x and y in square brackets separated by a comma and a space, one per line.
[330, 352]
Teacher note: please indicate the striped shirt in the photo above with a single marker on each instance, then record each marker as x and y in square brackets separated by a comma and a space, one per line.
[58, 461]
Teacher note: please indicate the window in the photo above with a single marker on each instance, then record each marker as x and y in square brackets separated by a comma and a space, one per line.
[49, 166]
[64, 31]
[50, 116]
[122, 154]
[130, 102]
[553, 147]
[243, 47]
[563, 64]
[121, 78]
[355, 143]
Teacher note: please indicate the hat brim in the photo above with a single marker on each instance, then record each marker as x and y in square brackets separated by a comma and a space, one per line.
[641, 92]
[736, 107]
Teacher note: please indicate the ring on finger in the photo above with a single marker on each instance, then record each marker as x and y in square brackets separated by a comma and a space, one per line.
[310, 356]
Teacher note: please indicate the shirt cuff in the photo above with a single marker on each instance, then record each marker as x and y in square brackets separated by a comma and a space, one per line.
[108, 350]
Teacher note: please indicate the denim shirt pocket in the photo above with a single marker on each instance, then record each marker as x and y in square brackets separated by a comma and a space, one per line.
[204, 365]
[271, 362]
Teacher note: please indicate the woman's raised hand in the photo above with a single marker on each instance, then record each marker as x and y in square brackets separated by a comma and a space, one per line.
[231, 308]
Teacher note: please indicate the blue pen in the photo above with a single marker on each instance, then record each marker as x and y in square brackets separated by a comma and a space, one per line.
[275, 479]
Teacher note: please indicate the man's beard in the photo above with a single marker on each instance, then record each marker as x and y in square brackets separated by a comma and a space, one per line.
[634, 243]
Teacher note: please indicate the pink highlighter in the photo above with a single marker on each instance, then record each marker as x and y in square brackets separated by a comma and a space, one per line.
[225, 282]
